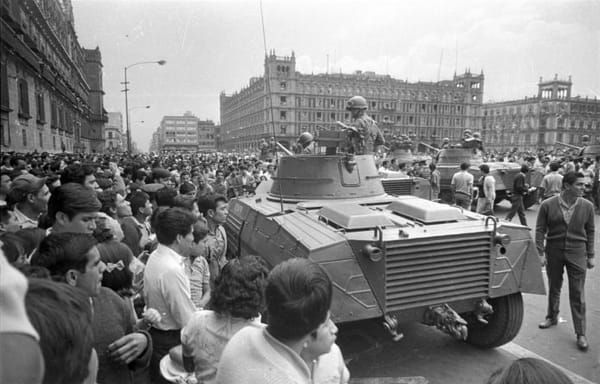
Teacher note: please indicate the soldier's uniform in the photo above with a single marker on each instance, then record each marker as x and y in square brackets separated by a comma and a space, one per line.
[370, 135]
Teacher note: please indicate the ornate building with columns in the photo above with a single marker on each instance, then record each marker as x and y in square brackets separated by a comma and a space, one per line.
[552, 115]
[51, 88]
[284, 103]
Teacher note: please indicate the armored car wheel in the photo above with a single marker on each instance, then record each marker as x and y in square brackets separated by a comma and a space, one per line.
[503, 325]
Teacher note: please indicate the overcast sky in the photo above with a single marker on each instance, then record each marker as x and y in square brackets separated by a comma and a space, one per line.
[217, 45]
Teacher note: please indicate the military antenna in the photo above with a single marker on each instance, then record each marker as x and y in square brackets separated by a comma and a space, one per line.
[268, 85]
[268, 82]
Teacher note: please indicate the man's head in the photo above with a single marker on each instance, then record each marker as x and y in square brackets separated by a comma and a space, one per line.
[72, 258]
[174, 228]
[357, 105]
[162, 176]
[464, 166]
[574, 183]
[80, 174]
[62, 316]
[73, 208]
[554, 166]
[524, 168]
[214, 208]
[140, 204]
[485, 169]
[28, 190]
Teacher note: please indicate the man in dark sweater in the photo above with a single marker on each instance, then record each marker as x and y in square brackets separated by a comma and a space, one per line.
[566, 222]
[520, 189]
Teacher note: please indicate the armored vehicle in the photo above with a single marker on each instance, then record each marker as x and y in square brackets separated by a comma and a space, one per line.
[587, 151]
[448, 162]
[393, 259]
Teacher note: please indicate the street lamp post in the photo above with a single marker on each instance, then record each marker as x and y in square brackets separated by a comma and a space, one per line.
[159, 62]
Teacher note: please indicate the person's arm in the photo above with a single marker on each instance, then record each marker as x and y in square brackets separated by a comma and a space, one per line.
[541, 228]
[135, 348]
[590, 232]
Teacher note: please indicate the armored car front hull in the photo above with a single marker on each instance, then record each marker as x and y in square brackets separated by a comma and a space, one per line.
[400, 259]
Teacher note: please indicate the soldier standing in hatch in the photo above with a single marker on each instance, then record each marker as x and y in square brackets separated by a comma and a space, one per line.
[366, 137]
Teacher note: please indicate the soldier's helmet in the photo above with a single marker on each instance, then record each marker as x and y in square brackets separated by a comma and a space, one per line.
[477, 135]
[446, 140]
[585, 138]
[305, 138]
[356, 102]
[467, 132]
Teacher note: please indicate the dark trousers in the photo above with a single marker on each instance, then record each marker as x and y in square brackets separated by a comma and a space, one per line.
[575, 262]
[517, 207]
[162, 342]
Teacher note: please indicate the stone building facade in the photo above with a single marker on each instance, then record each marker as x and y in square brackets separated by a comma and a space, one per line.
[300, 102]
[184, 133]
[51, 88]
[113, 133]
[552, 115]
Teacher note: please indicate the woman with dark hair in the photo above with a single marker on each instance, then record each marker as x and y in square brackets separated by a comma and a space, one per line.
[298, 344]
[121, 267]
[529, 371]
[236, 302]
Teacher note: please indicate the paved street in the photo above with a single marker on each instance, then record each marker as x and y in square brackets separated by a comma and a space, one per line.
[428, 353]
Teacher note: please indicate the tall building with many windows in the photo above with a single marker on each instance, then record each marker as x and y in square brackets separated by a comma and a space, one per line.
[184, 133]
[113, 133]
[552, 115]
[51, 88]
[284, 103]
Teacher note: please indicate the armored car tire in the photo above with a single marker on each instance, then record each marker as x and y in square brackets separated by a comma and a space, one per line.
[503, 325]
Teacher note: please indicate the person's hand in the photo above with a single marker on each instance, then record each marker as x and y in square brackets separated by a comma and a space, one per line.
[128, 348]
[590, 263]
[544, 260]
[151, 316]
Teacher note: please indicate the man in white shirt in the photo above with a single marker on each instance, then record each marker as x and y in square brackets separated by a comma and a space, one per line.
[166, 286]
[462, 186]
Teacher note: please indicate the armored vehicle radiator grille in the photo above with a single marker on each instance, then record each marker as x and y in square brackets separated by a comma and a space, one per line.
[437, 270]
[397, 187]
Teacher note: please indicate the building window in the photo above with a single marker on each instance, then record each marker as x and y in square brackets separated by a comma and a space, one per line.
[23, 99]
[41, 140]
[282, 85]
[41, 113]
[282, 100]
[110, 136]
[4, 102]
[282, 115]
[54, 142]
[282, 129]
[24, 132]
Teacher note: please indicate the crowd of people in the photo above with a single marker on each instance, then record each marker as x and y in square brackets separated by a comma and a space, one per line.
[115, 269]
[130, 281]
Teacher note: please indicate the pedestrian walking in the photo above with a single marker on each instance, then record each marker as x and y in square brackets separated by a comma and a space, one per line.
[566, 223]
[520, 189]
[487, 191]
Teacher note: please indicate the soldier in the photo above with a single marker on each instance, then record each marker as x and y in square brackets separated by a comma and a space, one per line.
[264, 149]
[366, 137]
[304, 144]
[445, 143]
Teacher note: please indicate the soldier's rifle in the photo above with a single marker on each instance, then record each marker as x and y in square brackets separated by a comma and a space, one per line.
[436, 150]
